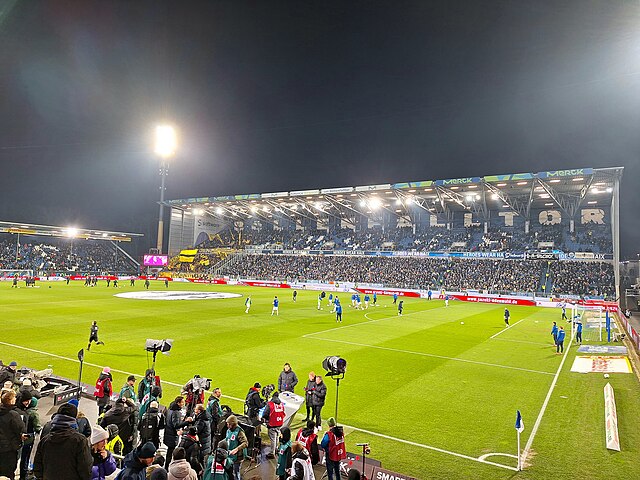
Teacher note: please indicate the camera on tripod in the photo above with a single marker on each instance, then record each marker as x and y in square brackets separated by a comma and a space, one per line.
[200, 384]
[267, 390]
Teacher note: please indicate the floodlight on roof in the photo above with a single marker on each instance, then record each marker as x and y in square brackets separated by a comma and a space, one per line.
[71, 231]
[198, 211]
[219, 210]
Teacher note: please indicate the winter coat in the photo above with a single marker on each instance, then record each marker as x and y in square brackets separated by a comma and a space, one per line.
[180, 469]
[122, 415]
[156, 422]
[102, 467]
[192, 449]
[308, 390]
[133, 469]
[7, 373]
[84, 427]
[317, 400]
[202, 422]
[174, 423]
[287, 381]
[64, 449]
[32, 419]
[11, 429]
[108, 389]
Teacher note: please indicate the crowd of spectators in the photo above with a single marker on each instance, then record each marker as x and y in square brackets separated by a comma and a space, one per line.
[590, 238]
[505, 276]
[64, 256]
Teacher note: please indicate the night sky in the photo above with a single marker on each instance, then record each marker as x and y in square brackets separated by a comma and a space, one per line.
[279, 96]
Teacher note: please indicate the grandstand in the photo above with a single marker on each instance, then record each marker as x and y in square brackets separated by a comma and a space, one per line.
[557, 225]
[45, 250]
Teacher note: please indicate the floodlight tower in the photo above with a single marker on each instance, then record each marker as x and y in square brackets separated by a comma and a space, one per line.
[165, 148]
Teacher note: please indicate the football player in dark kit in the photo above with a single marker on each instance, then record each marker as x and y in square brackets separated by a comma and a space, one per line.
[93, 336]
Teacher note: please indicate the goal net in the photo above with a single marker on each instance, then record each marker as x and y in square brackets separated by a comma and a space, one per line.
[11, 274]
[594, 323]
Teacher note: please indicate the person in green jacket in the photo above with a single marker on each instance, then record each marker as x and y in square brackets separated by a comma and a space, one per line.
[284, 454]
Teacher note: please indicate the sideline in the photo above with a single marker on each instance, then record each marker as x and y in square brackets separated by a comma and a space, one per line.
[369, 432]
[433, 355]
[534, 430]
[505, 329]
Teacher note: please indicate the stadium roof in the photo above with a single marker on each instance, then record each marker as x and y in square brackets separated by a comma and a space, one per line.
[65, 232]
[566, 190]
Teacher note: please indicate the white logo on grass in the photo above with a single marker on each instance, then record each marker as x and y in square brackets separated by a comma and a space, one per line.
[160, 295]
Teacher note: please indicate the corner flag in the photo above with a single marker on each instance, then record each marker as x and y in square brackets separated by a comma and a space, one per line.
[519, 422]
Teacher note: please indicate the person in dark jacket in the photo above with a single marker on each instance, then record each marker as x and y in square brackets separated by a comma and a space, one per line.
[124, 415]
[202, 422]
[254, 403]
[189, 441]
[144, 387]
[64, 449]
[287, 380]
[317, 399]
[308, 394]
[8, 373]
[103, 462]
[28, 387]
[29, 408]
[84, 427]
[150, 425]
[12, 432]
[174, 423]
[137, 461]
[103, 394]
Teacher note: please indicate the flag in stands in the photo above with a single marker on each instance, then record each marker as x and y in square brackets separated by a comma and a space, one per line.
[187, 256]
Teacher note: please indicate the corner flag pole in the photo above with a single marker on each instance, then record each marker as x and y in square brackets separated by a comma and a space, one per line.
[519, 429]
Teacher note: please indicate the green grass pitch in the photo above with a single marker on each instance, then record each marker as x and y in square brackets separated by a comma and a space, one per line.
[430, 393]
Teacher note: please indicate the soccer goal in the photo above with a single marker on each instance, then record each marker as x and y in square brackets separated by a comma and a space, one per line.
[10, 274]
[593, 320]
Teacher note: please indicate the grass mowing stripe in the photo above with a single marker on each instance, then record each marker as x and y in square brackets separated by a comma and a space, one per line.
[534, 430]
[502, 331]
[486, 364]
[523, 341]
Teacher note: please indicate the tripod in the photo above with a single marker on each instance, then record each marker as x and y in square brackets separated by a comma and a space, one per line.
[256, 452]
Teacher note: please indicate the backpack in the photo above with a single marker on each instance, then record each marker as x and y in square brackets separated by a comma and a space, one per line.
[100, 383]
[148, 428]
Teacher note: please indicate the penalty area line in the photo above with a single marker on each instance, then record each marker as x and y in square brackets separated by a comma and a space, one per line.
[411, 352]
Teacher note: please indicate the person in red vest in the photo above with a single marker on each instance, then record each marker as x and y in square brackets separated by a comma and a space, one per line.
[273, 416]
[308, 437]
[335, 449]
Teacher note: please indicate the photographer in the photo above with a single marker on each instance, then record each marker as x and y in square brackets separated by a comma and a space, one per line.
[274, 418]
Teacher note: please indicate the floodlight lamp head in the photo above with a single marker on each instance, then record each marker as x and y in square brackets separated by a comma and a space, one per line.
[334, 365]
[166, 141]
[162, 346]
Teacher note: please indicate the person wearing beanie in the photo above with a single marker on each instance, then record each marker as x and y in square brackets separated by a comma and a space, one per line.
[254, 404]
[137, 461]
[124, 415]
[236, 442]
[114, 442]
[103, 462]
[179, 468]
[308, 437]
[27, 386]
[273, 416]
[103, 389]
[334, 447]
[215, 466]
[127, 391]
[284, 454]
[29, 409]
[12, 429]
[8, 373]
[63, 449]
[301, 467]
[158, 474]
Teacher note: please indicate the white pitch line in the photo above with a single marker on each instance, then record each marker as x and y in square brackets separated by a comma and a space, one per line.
[534, 430]
[433, 355]
[505, 329]
[524, 341]
[381, 435]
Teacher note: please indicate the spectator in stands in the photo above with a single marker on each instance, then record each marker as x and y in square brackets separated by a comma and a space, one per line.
[63, 449]
[8, 373]
[103, 462]
[29, 411]
[12, 433]
[179, 468]
[137, 461]
[124, 414]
